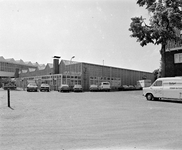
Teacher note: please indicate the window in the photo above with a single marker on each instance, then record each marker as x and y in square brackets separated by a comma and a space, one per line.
[178, 58]
[105, 83]
[158, 83]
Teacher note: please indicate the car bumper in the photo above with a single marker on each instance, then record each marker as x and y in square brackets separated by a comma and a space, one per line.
[32, 89]
[44, 89]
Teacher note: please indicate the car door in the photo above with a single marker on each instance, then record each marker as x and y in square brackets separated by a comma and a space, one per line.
[157, 89]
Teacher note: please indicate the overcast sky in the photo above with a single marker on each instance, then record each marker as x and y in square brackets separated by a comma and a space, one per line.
[90, 30]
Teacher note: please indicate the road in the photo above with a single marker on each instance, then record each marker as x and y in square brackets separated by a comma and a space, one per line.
[89, 121]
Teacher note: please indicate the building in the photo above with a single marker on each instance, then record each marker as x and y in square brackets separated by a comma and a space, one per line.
[173, 59]
[12, 68]
[86, 74]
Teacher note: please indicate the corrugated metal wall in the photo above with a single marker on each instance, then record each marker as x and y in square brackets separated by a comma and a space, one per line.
[126, 76]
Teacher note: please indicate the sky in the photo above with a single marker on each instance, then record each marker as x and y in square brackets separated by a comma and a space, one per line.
[94, 31]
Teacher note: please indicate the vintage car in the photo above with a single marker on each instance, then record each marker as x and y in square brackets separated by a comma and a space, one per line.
[64, 88]
[44, 87]
[93, 88]
[105, 86]
[32, 87]
[77, 88]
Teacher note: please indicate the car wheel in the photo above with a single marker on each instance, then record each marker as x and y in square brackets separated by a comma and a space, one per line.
[149, 97]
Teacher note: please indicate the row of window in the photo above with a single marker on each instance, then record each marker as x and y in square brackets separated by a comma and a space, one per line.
[7, 69]
[71, 82]
[104, 78]
[46, 77]
[97, 80]
[72, 77]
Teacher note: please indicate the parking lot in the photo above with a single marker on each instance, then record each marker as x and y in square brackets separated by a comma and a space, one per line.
[88, 120]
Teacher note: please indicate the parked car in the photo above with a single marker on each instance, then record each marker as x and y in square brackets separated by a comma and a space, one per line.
[124, 88]
[77, 88]
[131, 87]
[93, 88]
[32, 87]
[64, 88]
[44, 87]
[105, 86]
[138, 87]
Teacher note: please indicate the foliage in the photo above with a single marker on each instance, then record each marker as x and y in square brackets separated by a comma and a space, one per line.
[156, 73]
[165, 20]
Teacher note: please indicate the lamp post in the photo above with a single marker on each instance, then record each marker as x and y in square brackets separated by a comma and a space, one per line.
[70, 64]
[70, 70]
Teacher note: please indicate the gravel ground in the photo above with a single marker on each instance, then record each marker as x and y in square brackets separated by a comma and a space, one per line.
[89, 121]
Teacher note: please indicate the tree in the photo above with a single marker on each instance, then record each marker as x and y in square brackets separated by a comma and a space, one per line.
[164, 22]
[156, 74]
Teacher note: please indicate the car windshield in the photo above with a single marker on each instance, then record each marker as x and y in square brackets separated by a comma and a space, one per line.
[93, 86]
[34, 84]
[44, 84]
[65, 85]
[77, 86]
[106, 83]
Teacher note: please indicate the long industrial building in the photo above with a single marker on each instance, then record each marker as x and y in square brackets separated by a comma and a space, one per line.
[69, 72]
[85, 74]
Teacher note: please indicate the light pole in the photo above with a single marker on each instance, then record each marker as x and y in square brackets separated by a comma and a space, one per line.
[70, 64]
[72, 58]
[102, 71]
[70, 69]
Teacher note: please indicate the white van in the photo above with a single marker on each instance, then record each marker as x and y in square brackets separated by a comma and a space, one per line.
[105, 86]
[164, 88]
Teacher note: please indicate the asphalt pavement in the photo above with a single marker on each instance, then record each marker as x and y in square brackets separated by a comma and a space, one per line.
[88, 120]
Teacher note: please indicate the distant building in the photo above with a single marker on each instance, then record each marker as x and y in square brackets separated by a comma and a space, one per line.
[85, 74]
[69, 72]
[12, 68]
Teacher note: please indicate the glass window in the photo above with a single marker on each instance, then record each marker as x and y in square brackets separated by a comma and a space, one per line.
[158, 83]
[79, 82]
